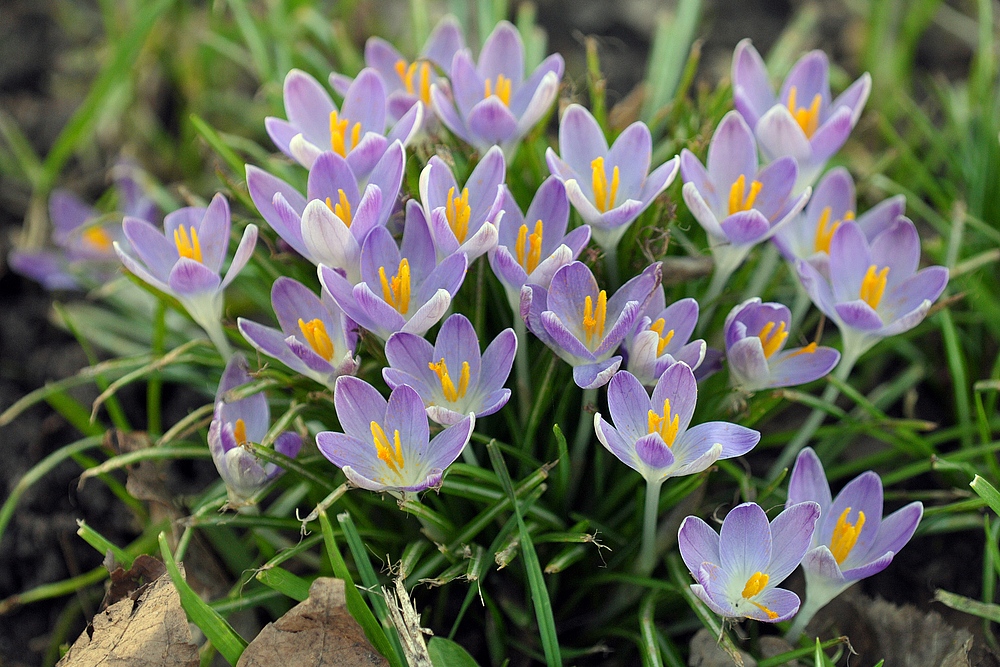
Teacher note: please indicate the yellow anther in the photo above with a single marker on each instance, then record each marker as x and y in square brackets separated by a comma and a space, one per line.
[240, 432]
[604, 198]
[873, 285]
[319, 340]
[529, 247]
[396, 291]
[391, 454]
[407, 74]
[808, 349]
[447, 385]
[340, 142]
[665, 338]
[808, 119]
[772, 338]
[665, 424]
[845, 535]
[825, 229]
[755, 584]
[593, 318]
[98, 237]
[458, 212]
[502, 89]
[187, 246]
[741, 200]
[342, 209]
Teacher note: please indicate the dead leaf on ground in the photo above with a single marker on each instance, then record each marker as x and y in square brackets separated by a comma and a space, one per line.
[319, 631]
[132, 583]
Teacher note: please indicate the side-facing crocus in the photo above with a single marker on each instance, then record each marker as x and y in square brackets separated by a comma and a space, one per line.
[739, 568]
[386, 445]
[662, 337]
[236, 424]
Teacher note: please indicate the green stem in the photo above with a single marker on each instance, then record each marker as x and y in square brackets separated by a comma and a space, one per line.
[647, 554]
[611, 266]
[522, 369]
[727, 260]
[154, 384]
[584, 431]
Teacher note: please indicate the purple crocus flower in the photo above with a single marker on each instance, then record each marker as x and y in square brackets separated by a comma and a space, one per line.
[651, 434]
[801, 122]
[451, 376]
[356, 132]
[609, 187]
[852, 540]
[237, 423]
[490, 103]
[755, 339]
[385, 445]
[402, 288]
[463, 218]
[578, 321]
[662, 338]
[316, 338]
[738, 569]
[532, 246]
[184, 260]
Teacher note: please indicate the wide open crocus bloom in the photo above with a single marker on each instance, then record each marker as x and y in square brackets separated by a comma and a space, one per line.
[237, 423]
[756, 334]
[578, 321]
[651, 434]
[490, 103]
[802, 122]
[463, 218]
[184, 260]
[662, 338]
[356, 132]
[451, 376]
[386, 445]
[316, 339]
[738, 203]
[402, 287]
[738, 569]
[833, 202]
[609, 187]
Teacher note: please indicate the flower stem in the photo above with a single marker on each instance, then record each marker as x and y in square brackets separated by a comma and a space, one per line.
[647, 553]
[611, 266]
[727, 260]
[523, 370]
[584, 431]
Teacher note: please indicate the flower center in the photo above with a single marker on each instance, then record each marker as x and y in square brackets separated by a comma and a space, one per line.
[739, 199]
[529, 247]
[825, 229]
[593, 318]
[807, 118]
[665, 424]
[458, 212]
[315, 334]
[390, 454]
[340, 142]
[604, 199]
[342, 209]
[873, 285]
[407, 76]
[755, 584]
[396, 290]
[98, 237]
[845, 535]
[772, 337]
[502, 89]
[447, 386]
[665, 338]
[187, 246]
[240, 432]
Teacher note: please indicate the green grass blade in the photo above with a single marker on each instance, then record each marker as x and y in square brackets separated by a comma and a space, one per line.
[446, 653]
[285, 582]
[669, 55]
[987, 492]
[103, 544]
[989, 611]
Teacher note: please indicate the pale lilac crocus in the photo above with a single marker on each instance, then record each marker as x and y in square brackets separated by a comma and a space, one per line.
[451, 376]
[386, 445]
[402, 288]
[356, 131]
[802, 122]
[662, 337]
[316, 339]
[235, 424]
[739, 568]
[852, 539]
[463, 218]
[755, 335]
[581, 324]
[185, 259]
[609, 187]
[491, 103]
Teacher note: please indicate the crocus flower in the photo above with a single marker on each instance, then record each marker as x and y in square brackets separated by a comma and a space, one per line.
[852, 539]
[384, 446]
[662, 337]
[738, 569]
[237, 423]
[184, 260]
[402, 288]
[578, 321]
[608, 187]
[316, 338]
[490, 102]
[463, 218]
[755, 335]
[451, 376]
[801, 122]
[356, 132]
[533, 245]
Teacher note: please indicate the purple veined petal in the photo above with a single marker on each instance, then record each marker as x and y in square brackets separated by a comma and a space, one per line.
[849, 260]
[577, 240]
[596, 374]
[388, 176]
[896, 530]
[869, 568]
[615, 442]
[444, 42]
[316, 364]
[800, 366]
[491, 122]
[493, 402]
[444, 237]
[817, 287]
[329, 174]
[281, 132]
[855, 97]
[410, 354]
[368, 213]
[270, 342]
[488, 175]
[551, 206]
[557, 167]
[861, 494]
[681, 317]
[329, 241]
[139, 270]
[745, 227]
[698, 543]
[569, 288]
[631, 153]
[808, 481]
[342, 293]
[380, 251]
[623, 324]
[408, 125]
[858, 314]
[580, 141]
[443, 415]
[621, 215]
[780, 135]
[358, 404]
[67, 212]
[152, 248]
[639, 289]
[881, 216]
[303, 151]
[782, 602]
[732, 153]
[899, 249]
[405, 412]
[791, 534]
[449, 443]
[777, 180]
[686, 465]
[377, 316]
[365, 102]
[497, 359]
[308, 107]
[366, 154]
[288, 443]
[545, 94]
[213, 232]
[748, 366]
[629, 405]
[735, 440]
[692, 171]
[692, 354]
[653, 452]
[659, 180]
[429, 314]
[522, 99]
[745, 541]
[582, 204]
[444, 109]
[703, 213]
[189, 216]
[243, 252]
[810, 76]
[189, 277]
[831, 135]
[506, 268]
[46, 268]
[677, 384]
[503, 53]
[563, 340]
[513, 218]
[820, 563]
[907, 321]
[925, 285]
[417, 244]
[264, 189]
[467, 84]
[253, 410]
[436, 181]
[456, 343]
[447, 276]
[720, 606]
[383, 56]
[344, 450]
[752, 92]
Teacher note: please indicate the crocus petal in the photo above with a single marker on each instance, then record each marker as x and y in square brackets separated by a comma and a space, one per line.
[152, 247]
[243, 252]
[580, 140]
[189, 277]
[861, 494]
[808, 481]
[631, 154]
[745, 541]
[491, 122]
[677, 384]
[752, 93]
[734, 439]
[747, 364]
[780, 135]
[732, 152]
[831, 135]
[653, 452]
[615, 442]
[799, 366]
[597, 374]
[897, 529]
[308, 106]
[859, 315]
[698, 543]
[745, 227]
[791, 533]
[358, 405]
[629, 405]
[263, 188]
[449, 443]
[781, 602]
[703, 213]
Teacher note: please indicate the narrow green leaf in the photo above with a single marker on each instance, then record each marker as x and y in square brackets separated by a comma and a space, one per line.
[649, 646]
[985, 490]
[668, 56]
[989, 611]
[284, 581]
[103, 544]
[446, 653]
